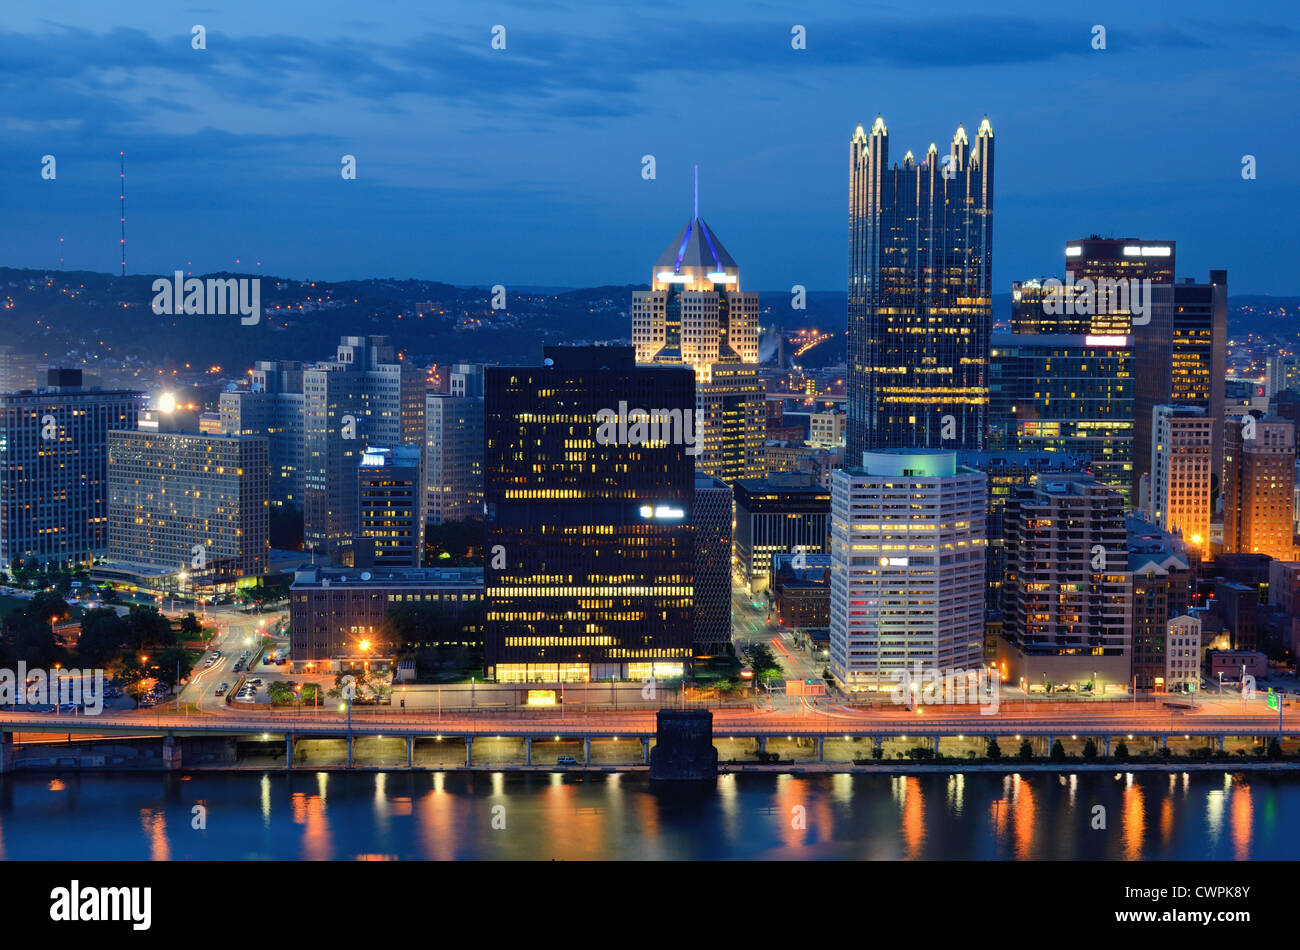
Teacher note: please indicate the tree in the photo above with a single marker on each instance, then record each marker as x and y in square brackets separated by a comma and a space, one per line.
[103, 636]
[1121, 750]
[190, 625]
[1089, 750]
[32, 639]
[149, 628]
[993, 750]
[1274, 748]
[1058, 751]
[171, 661]
[48, 605]
[1026, 750]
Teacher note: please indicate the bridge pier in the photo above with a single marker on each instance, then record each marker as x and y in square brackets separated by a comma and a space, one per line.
[288, 750]
[762, 744]
[1164, 742]
[171, 753]
[586, 750]
[349, 750]
[469, 751]
[936, 747]
[645, 751]
[528, 750]
[821, 748]
[410, 752]
[1220, 743]
[1107, 740]
[6, 752]
[877, 747]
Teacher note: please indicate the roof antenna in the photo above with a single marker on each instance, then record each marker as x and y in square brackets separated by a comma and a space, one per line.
[697, 191]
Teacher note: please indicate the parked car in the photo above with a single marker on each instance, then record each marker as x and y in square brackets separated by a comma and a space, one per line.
[566, 760]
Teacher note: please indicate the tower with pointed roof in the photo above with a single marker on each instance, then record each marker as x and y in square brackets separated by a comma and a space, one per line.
[696, 315]
[920, 293]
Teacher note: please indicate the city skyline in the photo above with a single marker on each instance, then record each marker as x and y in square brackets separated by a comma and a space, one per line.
[547, 140]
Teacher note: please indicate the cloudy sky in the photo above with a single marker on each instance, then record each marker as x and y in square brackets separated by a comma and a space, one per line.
[524, 165]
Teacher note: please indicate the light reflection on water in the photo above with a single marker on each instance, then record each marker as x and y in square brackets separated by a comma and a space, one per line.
[446, 816]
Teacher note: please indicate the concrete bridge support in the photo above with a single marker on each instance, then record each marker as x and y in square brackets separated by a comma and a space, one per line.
[469, 751]
[645, 751]
[6, 752]
[586, 750]
[821, 748]
[349, 750]
[171, 753]
[410, 752]
[528, 750]
[288, 751]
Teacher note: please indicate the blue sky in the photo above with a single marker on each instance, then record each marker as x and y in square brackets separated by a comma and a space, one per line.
[523, 165]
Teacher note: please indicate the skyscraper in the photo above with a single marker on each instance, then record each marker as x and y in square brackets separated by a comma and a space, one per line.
[192, 504]
[696, 315]
[1259, 487]
[453, 447]
[920, 293]
[364, 395]
[270, 405]
[590, 549]
[907, 567]
[1181, 463]
[390, 496]
[1180, 358]
[711, 520]
[54, 468]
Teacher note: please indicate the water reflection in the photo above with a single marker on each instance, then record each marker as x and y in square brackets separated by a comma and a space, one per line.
[445, 816]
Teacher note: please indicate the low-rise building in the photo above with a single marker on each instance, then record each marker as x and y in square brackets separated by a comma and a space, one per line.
[1183, 655]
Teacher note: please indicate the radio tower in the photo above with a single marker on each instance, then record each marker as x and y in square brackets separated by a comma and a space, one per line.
[123, 196]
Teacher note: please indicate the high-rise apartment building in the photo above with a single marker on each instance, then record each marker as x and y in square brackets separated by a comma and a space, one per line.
[1259, 487]
[1182, 439]
[453, 448]
[1065, 601]
[907, 568]
[54, 468]
[920, 293]
[590, 548]
[192, 504]
[270, 404]
[711, 520]
[390, 496]
[1282, 373]
[696, 315]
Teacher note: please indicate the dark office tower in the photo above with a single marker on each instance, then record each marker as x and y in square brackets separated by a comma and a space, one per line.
[54, 468]
[588, 487]
[1101, 272]
[711, 518]
[1029, 306]
[1068, 394]
[920, 294]
[1180, 359]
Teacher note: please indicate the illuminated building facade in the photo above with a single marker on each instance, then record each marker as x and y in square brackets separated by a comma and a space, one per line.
[270, 405]
[338, 615]
[907, 568]
[196, 504]
[453, 448]
[590, 547]
[785, 513]
[1101, 271]
[1066, 610]
[1259, 487]
[1180, 359]
[390, 496]
[696, 315]
[1181, 462]
[54, 468]
[1067, 394]
[920, 294]
[1162, 570]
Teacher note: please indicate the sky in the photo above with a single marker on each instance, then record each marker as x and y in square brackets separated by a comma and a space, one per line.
[524, 165]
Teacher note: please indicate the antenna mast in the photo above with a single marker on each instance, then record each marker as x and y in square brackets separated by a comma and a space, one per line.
[123, 197]
[697, 191]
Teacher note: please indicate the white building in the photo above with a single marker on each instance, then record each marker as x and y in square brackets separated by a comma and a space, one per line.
[1182, 654]
[907, 543]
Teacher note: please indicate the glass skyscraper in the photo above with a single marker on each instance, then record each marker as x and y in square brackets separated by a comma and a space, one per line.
[920, 293]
